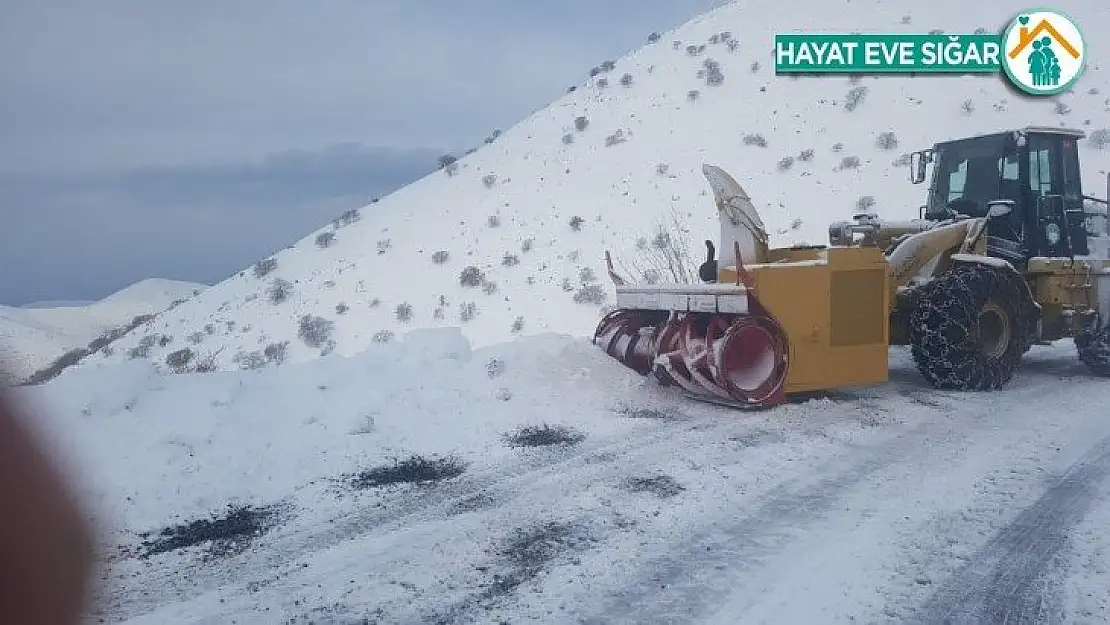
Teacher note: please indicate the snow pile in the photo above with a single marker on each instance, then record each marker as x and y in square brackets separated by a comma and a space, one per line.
[509, 240]
[155, 448]
[31, 337]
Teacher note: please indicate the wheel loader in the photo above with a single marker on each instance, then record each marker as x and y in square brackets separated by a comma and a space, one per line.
[1007, 252]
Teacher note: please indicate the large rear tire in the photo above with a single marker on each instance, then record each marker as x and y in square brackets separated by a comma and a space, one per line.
[971, 326]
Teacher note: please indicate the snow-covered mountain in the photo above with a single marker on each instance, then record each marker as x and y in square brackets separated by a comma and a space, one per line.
[531, 213]
[35, 335]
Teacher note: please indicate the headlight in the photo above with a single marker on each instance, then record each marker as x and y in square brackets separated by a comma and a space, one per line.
[1052, 233]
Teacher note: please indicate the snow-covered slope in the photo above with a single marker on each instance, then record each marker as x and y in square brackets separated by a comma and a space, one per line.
[32, 337]
[794, 143]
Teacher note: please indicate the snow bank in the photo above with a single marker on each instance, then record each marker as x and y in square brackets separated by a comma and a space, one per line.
[151, 449]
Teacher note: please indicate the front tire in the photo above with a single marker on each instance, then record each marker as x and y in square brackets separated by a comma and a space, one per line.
[971, 326]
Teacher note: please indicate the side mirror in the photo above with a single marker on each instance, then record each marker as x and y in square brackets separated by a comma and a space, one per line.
[917, 167]
[999, 208]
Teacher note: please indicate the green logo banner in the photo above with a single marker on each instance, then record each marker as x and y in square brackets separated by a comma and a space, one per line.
[887, 53]
[1041, 51]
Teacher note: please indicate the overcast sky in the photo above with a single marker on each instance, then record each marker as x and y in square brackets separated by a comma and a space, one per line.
[186, 139]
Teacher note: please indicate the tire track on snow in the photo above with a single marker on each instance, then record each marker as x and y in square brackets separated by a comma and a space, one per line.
[1013, 578]
[686, 583]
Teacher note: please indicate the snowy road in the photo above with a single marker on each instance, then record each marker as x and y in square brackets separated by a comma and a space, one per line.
[892, 504]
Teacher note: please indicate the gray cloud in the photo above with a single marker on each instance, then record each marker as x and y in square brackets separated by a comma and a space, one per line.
[83, 236]
[130, 116]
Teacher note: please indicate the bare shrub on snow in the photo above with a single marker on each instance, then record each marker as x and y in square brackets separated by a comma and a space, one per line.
[968, 107]
[142, 348]
[493, 221]
[315, 331]
[441, 257]
[264, 267]
[509, 260]
[713, 75]
[590, 294]
[347, 218]
[526, 245]
[568, 139]
[755, 139]
[279, 290]
[467, 311]
[865, 203]
[471, 276]
[849, 162]
[580, 123]
[886, 141]
[249, 361]
[854, 98]
[495, 367]
[325, 239]
[403, 312]
[384, 245]
[489, 180]
[275, 352]
[785, 163]
[692, 94]
[341, 308]
[1099, 139]
[626, 80]
[667, 253]
[576, 223]
[382, 336]
[178, 361]
[518, 325]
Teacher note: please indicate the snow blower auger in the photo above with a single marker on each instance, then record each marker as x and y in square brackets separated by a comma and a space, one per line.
[1007, 253]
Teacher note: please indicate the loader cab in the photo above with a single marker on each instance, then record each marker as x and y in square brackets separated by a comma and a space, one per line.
[1034, 172]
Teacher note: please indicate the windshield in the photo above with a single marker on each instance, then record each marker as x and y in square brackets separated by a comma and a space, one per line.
[969, 174]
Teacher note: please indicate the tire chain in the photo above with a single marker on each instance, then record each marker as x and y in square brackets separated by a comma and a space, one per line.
[942, 327]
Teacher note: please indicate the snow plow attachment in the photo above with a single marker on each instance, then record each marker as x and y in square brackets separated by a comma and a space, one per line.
[772, 323]
[735, 357]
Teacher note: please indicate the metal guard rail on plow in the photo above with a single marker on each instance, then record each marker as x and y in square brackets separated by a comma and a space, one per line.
[739, 359]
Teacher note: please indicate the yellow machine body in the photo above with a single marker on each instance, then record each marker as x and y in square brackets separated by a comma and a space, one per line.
[834, 305]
